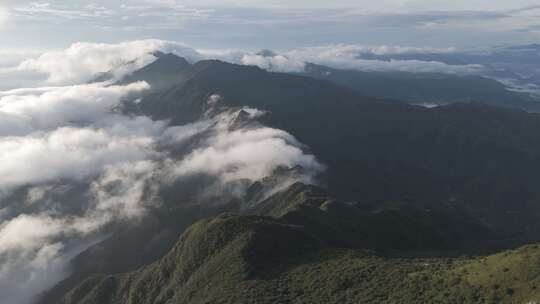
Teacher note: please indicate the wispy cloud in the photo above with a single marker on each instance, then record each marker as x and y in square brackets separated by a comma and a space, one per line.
[519, 20]
[122, 16]
[84, 61]
[233, 23]
[176, 14]
[3, 16]
[345, 56]
[47, 11]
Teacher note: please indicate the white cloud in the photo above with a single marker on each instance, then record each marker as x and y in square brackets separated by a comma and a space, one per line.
[34, 258]
[35, 249]
[278, 63]
[59, 13]
[248, 154]
[82, 62]
[59, 135]
[347, 57]
[3, 16]
[515, 20]
[396, 50]
[64, 133]
[66, 153]
[11, 77]
[26, 110]
[343, 56]
[271, 23]
[382, 5]
[126, 190]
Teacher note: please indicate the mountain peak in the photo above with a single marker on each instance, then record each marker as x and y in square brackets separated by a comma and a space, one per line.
[266, 53]
[168, 61]
[165, 71]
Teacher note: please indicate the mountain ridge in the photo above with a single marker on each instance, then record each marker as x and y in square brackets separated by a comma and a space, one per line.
[432, 156]
[427, 89]
[254, 259]
[402, 182]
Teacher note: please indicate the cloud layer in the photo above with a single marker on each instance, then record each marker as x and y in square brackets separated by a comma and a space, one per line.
[24, 111]
[72, 164]
[264, 24]
[348, 57]
[84, 61]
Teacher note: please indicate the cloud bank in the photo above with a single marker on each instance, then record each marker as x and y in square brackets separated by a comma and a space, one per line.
[348, 57]
[73, 164]
[24, 111]
[264, 24]
[87, 62]
[245, 153]
[343, 56]
[84, 61]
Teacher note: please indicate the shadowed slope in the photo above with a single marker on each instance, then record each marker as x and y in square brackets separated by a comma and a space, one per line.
[426, 88]
[250, 259]
[479, 158]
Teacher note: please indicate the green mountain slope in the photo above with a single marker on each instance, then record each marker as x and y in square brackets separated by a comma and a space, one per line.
[253, 259]
[383, 227]
[389, 228]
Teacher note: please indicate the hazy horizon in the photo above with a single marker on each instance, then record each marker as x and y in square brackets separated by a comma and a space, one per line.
[30, 25]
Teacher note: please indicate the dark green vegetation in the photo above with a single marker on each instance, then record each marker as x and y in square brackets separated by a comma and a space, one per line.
[254, 259]
[408, 191]
[426, 88]
[383, 227]
[133, 246]
[477, 159]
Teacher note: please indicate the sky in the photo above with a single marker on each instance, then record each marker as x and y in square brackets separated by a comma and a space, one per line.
[255, 24]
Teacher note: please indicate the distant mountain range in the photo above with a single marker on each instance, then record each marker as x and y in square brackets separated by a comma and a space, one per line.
[427, 89]
[517, 66]
[377, 149]
[402, 183]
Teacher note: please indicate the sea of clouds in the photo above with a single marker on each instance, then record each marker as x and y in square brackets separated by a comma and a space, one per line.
[72, 164]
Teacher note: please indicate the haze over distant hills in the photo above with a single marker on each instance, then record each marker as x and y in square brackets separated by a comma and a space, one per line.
[516, 66]
[427, 89]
